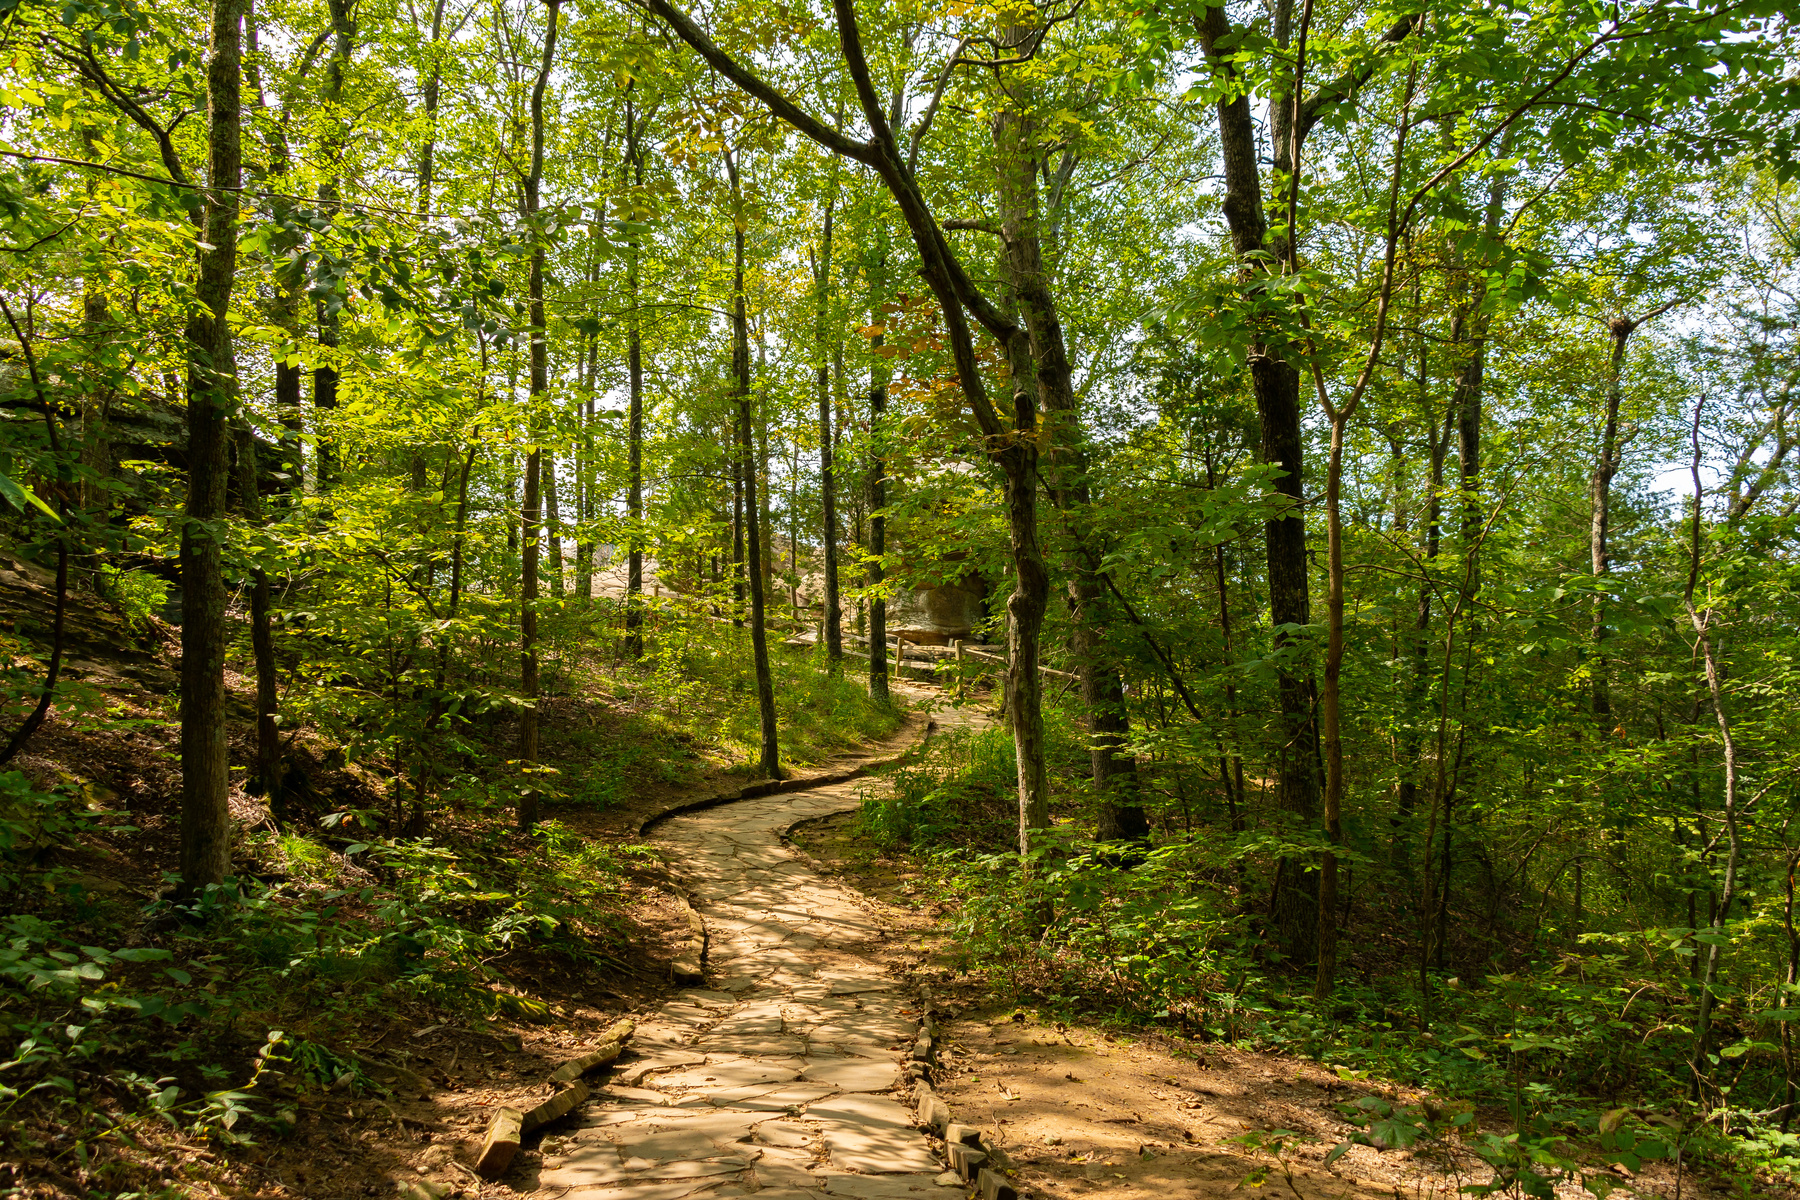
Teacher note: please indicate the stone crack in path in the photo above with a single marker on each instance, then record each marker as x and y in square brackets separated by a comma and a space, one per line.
[786, 1080]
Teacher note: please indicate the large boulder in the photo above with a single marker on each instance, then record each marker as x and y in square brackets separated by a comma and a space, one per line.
[939, 613]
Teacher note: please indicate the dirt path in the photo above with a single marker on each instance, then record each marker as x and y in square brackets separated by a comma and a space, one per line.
[783, 1077]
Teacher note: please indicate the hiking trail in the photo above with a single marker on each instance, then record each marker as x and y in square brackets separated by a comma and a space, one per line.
[785, 1077]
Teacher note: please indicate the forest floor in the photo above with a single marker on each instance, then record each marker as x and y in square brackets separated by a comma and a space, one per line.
[1086, 1108]
[422, 1138]
[781, 1074]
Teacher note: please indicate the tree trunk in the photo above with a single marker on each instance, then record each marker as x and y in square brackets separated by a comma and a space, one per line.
[553, 554]
[740, 373]
[1620, 329]
[267, 774]
[531, 531]
[1276, 385]
[765, 488]
[1113, 767]
[1234, 781]
[212, 397]
[878, 381]
[585, 503]
[832, 617]
[284, 303]
[1331, 709]
[634, 436]
[59, 622]
[1024, 636]
[734, 456]
[1011, 440]
[325, 375]
[434, 78]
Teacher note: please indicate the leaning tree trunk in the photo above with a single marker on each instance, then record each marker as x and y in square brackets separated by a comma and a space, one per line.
[212, 397]
[1010, 438]
[1620, 329]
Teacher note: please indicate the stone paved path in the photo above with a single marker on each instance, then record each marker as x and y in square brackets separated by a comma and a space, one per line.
[783, 1078]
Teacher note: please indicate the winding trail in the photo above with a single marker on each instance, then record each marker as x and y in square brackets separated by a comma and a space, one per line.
[785, 1077]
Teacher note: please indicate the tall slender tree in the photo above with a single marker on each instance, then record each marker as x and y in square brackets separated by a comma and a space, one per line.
[831, 614]
[212, 398]
[747, 470]
[532, 531]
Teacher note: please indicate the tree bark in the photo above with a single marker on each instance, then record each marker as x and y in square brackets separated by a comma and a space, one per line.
[284, 303]
[325, 374]
[878, 381]
[212, 397]
[267, 774]
[634, 435]
[1619, 329]
[1112, 766]
[1276, 385]
[34, 720]
[531, 531]
[1010, 440]
[740, 373]
[832, 616]
[735, 457]
[553, 550]
[1715, 689]
[434, 77]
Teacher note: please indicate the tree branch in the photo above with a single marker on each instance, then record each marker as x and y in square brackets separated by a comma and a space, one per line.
[745, 78]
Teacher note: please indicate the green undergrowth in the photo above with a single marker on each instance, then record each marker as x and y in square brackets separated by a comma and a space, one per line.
[128, 1021]
[1578, 1055]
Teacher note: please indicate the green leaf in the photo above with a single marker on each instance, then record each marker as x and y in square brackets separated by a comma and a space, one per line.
[20, 497]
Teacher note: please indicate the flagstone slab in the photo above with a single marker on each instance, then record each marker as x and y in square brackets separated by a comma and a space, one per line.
[853, 1074]
[653, 1191]
[861, 1110]
[736, 1073]
[892, 1187]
